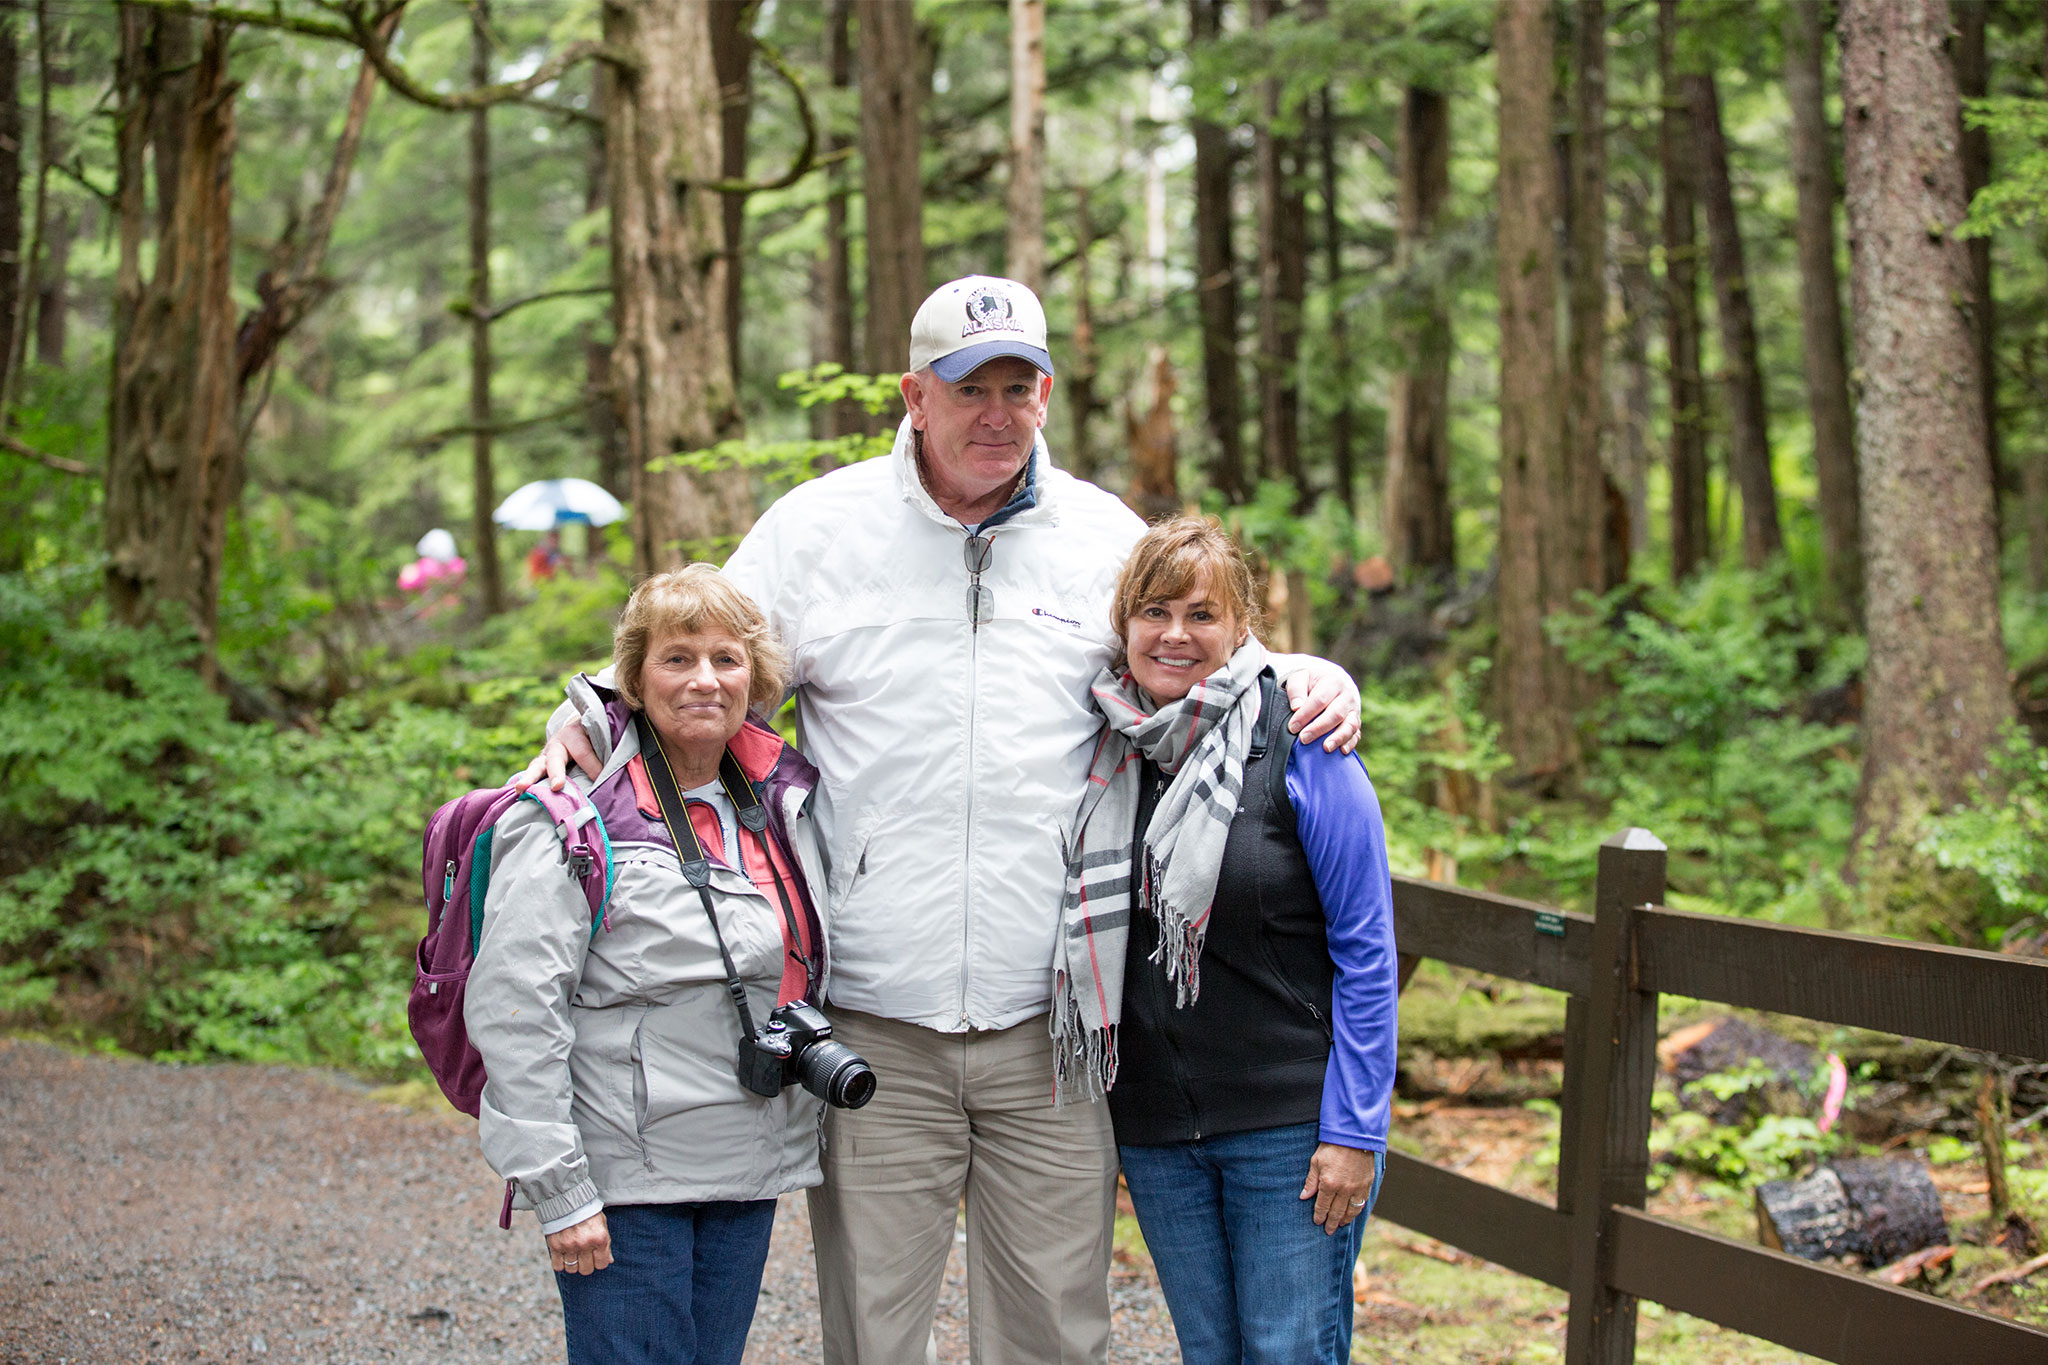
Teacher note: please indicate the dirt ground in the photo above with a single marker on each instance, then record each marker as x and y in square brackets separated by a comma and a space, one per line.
[237, 1213]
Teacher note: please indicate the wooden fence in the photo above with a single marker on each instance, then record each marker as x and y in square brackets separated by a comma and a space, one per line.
[1596, 1242]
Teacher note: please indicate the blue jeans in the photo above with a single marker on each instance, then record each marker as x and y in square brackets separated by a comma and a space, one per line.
[680, 1289]
[1248, 1276]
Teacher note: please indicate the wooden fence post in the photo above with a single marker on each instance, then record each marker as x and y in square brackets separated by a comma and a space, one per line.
[1609, 1157]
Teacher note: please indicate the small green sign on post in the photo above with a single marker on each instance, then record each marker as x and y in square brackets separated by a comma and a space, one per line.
[1550, 922]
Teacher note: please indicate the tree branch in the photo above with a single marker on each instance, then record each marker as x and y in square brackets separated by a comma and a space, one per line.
[358, 24]
[274, 18]
[433, 438]
[463, 308]
[806, 159]
[74, 171]
[363, 33]
[560, 110]
[56, 462]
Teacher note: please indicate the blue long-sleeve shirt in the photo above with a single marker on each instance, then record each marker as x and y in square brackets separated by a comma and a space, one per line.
[1337, 816]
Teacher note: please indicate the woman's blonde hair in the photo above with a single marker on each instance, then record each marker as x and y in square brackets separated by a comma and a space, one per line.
[684, 601]
[1174, 556]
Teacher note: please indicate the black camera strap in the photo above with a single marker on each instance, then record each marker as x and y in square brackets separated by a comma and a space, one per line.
[683, 834]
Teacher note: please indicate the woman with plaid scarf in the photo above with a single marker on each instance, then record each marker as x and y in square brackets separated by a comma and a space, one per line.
[1226, 967]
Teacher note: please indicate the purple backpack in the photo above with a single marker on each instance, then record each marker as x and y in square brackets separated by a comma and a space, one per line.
[456, 872]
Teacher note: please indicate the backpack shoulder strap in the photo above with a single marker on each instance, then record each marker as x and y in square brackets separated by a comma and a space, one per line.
[586, 845]
[1272, 702]
[1273, 740]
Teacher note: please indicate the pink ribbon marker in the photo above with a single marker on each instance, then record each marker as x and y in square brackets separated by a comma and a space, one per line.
[1838, 1088]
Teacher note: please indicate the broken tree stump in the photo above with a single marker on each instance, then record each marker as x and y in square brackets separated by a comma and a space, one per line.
[1809, 1218]
[1875, 1210]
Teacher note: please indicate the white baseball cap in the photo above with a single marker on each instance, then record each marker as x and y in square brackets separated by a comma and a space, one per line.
[971, 321]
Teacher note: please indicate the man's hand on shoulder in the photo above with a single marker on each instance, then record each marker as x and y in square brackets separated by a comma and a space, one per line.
[1326, 705]
[569, 745]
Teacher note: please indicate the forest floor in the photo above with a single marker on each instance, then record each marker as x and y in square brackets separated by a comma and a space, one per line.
[244, 1213]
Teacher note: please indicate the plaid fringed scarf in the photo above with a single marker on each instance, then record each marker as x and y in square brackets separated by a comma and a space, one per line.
[1202, 740]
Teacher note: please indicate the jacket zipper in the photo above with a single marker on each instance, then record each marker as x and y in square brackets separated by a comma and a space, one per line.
[967, 843]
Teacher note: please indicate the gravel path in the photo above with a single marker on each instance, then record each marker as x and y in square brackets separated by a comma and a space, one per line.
[238, 1213]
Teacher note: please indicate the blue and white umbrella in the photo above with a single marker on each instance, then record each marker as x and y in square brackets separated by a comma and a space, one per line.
[548, 503]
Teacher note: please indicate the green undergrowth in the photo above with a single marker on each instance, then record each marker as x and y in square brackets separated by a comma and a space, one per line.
[193, 887]
[198, 887]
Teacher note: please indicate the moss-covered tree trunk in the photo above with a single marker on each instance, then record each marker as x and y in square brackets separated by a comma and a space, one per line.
[1936, 690]
[1534, 686]
[670, 366]
[173, 457]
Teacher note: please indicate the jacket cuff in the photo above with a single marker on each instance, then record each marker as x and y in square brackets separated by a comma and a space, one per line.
[567, 1202]
[550, 1226]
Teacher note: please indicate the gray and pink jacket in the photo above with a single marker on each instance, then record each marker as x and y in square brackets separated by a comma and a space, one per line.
[611, 1059]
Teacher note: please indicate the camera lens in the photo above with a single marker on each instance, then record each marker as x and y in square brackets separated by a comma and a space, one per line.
[836, 1074]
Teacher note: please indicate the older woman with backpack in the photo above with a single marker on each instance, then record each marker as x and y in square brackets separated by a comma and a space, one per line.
[1226, 967]
[617, 1103]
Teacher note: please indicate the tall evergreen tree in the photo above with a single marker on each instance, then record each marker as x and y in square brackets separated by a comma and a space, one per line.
[1936, 691]
[1026, 252]
[669, 363]
[892, 87]
[1216, 281]
[1820, 307]
[1692, 546]
[173, 454]
[483, 477]
[1749, 434]
[1417, 495]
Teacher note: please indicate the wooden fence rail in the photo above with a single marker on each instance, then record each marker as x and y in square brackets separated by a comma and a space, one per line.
[1597, 1243]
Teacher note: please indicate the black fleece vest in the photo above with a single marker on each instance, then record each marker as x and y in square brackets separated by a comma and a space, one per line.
[1250, 1052]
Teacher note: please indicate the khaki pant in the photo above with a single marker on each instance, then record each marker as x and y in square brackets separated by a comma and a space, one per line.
[973, 1113]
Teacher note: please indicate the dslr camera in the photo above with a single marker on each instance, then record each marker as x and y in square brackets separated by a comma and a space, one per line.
[796, 1045]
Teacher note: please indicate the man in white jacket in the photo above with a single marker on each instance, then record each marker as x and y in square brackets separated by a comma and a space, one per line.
[947, 609]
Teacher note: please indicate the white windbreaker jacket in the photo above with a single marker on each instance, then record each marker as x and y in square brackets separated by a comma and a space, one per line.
[950, 756]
